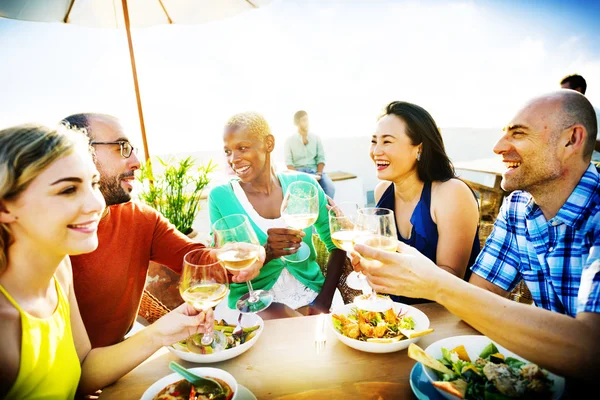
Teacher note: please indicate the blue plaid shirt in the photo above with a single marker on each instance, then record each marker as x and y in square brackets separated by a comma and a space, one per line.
[549, 255]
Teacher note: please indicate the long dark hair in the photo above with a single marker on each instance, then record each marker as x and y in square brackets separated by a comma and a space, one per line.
[434, 164]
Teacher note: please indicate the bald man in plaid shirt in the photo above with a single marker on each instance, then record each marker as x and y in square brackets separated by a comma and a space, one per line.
[547, 233]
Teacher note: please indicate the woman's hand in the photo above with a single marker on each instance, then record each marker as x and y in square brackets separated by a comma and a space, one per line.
[180, 324]
[282, 242]
[407, 273]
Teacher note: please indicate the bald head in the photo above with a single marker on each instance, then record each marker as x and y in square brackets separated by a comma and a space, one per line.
[565, 108]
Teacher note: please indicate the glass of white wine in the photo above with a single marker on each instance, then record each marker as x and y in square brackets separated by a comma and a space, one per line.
[239, 249]
[299, 210]
[375, 227]
[342, 218]
[203, 284]
[342, 225]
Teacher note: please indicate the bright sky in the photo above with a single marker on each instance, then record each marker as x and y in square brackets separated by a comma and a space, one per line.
[469, 63]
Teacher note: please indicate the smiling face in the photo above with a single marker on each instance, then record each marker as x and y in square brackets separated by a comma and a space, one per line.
[248, 155]
[392, 151]
[529, 147]
[116, 172]
[60, 209]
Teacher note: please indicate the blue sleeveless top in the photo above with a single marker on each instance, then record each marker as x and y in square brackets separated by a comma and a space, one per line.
[424, 235]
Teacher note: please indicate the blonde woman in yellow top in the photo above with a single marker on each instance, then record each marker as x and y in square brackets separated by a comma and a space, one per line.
[50, 205]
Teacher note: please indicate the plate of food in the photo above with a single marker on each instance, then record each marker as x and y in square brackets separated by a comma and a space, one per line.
[474, 367]
[174, 387]
[191, 350]
[379, 332]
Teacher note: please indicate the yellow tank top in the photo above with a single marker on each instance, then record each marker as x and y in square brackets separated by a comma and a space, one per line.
[49, 366]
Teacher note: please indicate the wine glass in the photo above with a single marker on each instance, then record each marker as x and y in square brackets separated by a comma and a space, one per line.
[239, 249]
[342, 218]
[203, 284]
[375, 227]
[342, 225]
[299, 210]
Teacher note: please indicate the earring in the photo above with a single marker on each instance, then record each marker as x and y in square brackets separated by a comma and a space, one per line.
[418, 156]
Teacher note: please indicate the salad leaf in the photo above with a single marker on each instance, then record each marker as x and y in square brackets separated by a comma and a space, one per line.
[407, 323]
[488, 351]
[514, 363]
[337, 324]
[446, 355]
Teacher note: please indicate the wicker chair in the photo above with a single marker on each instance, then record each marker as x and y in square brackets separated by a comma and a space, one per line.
[490, 199]
[151, 307]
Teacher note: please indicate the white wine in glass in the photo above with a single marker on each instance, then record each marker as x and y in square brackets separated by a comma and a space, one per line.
[376, 227]
[238, 255]
[379, 242]
[342, 219]
[299, 210]
[239, 249]
[203, 285]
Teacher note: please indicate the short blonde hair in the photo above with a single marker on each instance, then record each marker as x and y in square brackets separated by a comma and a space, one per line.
[26, 151]
[250, 121]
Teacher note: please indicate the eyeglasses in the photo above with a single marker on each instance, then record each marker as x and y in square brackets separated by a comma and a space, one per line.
[126, 147]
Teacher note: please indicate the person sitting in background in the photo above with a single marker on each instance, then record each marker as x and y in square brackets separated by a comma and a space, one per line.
[544, 234]
[109, 281]
[304, 153]
[50, 206]
[577, 82]
[435, 212]
[257, 192]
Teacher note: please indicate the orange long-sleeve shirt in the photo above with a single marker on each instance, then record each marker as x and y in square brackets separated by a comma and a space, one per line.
[109, 281]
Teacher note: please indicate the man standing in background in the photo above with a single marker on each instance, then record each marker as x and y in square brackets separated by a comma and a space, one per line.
[577, 83]
[304, 153]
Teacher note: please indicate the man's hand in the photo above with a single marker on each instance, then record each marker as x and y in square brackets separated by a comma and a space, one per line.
[283, 242]
[407, 273]
[251, 272]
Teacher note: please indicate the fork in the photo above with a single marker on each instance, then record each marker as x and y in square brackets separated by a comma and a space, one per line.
[320, 337]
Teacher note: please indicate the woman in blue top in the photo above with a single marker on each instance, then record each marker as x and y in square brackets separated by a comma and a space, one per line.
[257, 191]
[436, 213]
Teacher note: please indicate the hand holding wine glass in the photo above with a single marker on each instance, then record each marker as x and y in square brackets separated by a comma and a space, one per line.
[203, 285]
[300, 210]
[239, 249]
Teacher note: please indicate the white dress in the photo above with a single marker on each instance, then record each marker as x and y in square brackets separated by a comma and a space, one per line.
[287, 290]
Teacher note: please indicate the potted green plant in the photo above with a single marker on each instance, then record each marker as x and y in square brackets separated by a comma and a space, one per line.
[174, 188]
[176, 191]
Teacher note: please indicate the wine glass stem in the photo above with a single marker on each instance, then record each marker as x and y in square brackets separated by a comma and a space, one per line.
[207, 337]
[252, 297]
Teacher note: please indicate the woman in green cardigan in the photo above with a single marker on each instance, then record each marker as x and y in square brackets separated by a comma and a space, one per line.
[257, 191]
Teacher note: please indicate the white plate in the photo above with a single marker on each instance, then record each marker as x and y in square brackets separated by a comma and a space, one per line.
[421, 323]
[245, 393]
[160, 384]
[474, 344]
[230, 316]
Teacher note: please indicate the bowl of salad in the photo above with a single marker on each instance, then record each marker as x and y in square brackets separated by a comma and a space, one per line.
[379, 332]
[191, 349]
[473, 367]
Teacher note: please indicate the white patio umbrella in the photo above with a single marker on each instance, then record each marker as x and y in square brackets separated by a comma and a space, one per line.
[126, 14]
